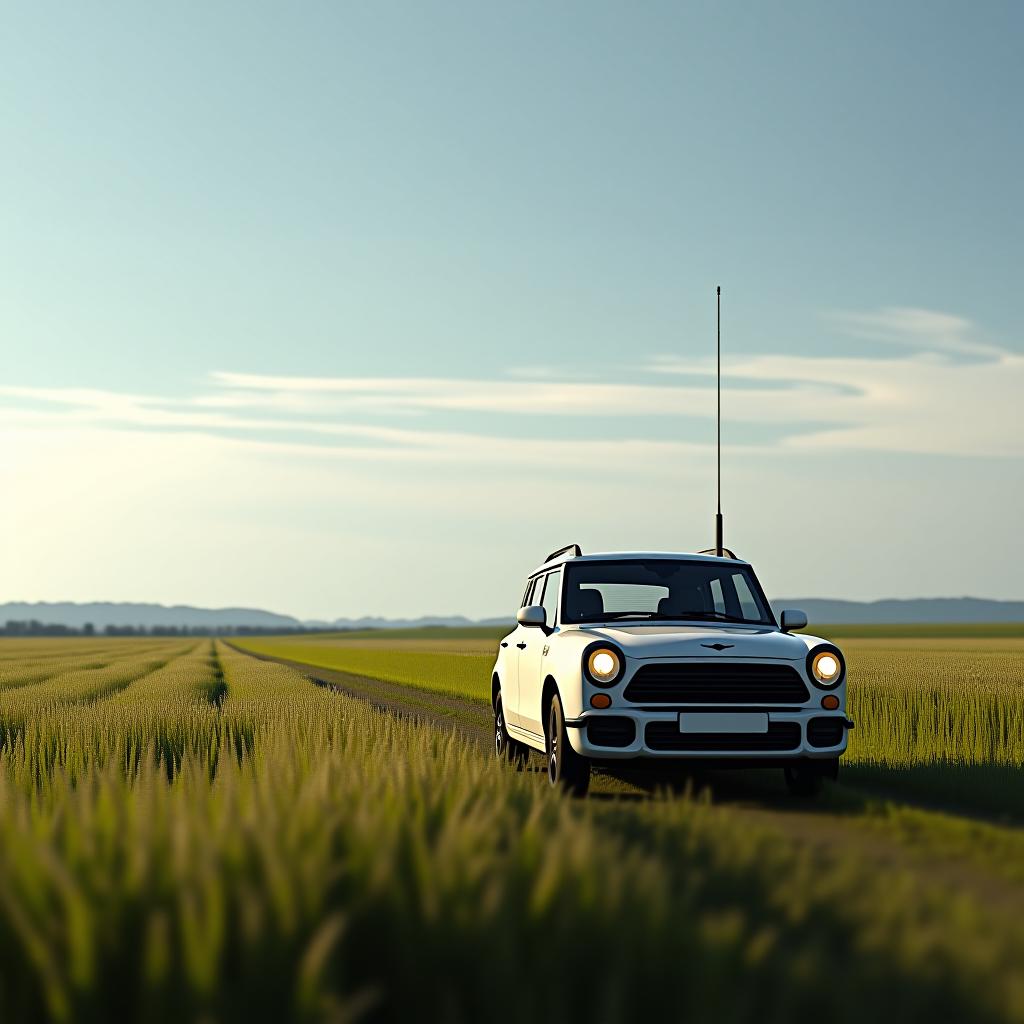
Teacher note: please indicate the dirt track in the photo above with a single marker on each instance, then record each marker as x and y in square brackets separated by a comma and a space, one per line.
[470, 717]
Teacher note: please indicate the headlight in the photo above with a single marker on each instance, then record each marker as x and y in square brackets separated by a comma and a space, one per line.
[603, 664]
[826, 667]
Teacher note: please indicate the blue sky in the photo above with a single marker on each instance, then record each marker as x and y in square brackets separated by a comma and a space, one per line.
[339, 308]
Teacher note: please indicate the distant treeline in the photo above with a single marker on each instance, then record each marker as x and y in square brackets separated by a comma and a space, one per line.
[33, 627]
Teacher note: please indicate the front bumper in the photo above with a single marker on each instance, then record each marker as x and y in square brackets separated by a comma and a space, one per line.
[656, 734]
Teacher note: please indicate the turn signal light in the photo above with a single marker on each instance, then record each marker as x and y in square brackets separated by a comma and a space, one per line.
[830, 702]
[600, 701]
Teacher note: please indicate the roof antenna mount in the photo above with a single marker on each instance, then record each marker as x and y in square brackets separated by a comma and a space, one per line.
[719, 549]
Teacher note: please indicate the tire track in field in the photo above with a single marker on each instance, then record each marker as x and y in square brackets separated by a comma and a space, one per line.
[217, 691]
[837, 825]
[470, 717]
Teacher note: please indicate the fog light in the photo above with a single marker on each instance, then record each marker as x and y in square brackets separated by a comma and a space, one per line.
[830, 702]
[600, 701]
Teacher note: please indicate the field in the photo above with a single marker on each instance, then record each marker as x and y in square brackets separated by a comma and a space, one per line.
[942, 717]
[189, 833]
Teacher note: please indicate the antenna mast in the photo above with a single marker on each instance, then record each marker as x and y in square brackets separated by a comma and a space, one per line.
[719, 550]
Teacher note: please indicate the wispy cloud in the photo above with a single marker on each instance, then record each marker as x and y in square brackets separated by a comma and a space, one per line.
[71, 409]
[924, 400]
[922, 329]
[489, 396]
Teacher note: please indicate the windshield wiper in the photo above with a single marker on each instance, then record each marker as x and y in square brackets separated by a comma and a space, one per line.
[718, 616]
[673, 617]
[624, 615]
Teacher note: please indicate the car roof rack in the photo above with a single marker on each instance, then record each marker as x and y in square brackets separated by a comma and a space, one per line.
[726, 553]
[574, 549]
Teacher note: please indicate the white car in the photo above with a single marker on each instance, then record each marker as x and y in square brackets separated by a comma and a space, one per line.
[674, 656]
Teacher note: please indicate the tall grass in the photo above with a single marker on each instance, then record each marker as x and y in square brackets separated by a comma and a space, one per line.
[308, 858]
[958, 702]
[940, 719]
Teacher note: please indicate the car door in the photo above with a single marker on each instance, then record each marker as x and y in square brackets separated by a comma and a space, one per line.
[513, 646]
[531, 656]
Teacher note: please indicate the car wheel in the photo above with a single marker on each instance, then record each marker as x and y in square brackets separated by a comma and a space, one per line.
[506, 748]
[803, 780]
[566, 769]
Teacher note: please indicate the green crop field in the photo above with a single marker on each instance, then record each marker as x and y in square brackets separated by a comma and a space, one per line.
[190, 834]
[938, 715]
[462, 667]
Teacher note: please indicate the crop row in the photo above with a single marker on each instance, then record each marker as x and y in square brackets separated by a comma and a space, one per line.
[310, 858]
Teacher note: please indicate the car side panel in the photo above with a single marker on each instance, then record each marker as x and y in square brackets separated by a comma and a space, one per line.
[507, 668]
[532, 656]
[531, 679]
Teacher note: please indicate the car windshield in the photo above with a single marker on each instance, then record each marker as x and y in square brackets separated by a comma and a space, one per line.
[660, 589]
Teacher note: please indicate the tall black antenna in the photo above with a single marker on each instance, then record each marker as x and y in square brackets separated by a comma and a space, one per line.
[719, 550]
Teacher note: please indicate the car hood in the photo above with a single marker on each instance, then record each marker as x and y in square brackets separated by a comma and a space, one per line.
[664, 641]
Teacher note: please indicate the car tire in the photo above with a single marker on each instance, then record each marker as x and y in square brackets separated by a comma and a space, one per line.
[566, 769]
[803, 780]
[506, 748]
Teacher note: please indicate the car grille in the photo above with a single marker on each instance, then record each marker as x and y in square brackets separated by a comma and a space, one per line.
[825, 732]
[711, 683]
[611, 731]
[666, 736]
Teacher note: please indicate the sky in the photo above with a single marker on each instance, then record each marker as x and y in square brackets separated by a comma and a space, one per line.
[362, 308]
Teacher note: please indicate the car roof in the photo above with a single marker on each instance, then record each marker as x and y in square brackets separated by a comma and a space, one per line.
[616, 556]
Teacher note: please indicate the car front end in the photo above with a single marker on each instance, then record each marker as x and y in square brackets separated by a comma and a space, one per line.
[723, 694]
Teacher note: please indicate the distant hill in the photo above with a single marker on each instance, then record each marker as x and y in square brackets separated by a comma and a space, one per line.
[819, 610]
[827, 610]
[914, 610]
[373, 622]
[105, 613]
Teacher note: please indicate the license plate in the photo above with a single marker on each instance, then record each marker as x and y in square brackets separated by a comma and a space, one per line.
[723, 721]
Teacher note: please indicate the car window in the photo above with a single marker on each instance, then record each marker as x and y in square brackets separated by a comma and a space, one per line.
[531, 592]
[745, 596]
[550, 599]
[661, 588]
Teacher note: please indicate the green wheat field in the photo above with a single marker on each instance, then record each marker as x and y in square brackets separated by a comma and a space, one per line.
[188, 833]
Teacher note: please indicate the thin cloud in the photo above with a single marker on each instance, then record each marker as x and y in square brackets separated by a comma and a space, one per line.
[77, 409]
[926, 400]
[923, 329]
[603, 400]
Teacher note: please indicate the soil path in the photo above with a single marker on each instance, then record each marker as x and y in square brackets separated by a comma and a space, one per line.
[471, 718]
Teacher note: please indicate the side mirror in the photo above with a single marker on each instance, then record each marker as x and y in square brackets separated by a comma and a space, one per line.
[531, 615]
[793, 618]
